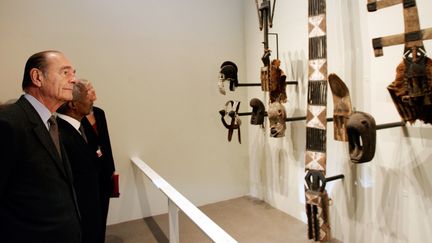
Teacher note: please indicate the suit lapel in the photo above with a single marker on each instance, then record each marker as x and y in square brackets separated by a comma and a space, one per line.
[42, 133]
[65, 125]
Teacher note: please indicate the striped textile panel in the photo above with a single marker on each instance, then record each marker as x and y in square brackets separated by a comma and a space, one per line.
[316, 123]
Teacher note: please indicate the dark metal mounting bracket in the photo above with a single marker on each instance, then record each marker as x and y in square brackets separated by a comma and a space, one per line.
[330, 119]
[277, 44]
[258, 84]
[336, 177]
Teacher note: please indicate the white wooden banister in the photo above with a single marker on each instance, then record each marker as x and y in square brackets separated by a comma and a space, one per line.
[176, 202]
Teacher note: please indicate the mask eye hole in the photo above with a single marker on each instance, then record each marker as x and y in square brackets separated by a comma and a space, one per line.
[360, 142]
[356, 140]
[364, 123]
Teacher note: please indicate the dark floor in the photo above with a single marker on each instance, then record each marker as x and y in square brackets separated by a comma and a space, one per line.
[245, 219]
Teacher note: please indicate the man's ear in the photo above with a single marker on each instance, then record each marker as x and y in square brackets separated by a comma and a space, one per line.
[37, 77]
[72, 105]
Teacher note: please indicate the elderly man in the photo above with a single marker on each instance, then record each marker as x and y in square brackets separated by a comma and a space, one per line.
[37, 198]
[96, 127]
[83, 159]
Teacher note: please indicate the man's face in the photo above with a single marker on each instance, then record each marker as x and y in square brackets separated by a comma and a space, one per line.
[58, 78]
[84, 105]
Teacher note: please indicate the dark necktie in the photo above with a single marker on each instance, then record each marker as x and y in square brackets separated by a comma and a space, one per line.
[81, 128]
[53, 130]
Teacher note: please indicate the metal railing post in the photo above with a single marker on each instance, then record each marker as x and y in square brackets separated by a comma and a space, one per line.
[174, 236]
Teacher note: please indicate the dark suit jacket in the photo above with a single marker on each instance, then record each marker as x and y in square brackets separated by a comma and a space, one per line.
[37, 200]
[100, 138]
[84, 164]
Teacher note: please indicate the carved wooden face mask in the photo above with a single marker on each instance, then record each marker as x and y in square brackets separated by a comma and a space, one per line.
[361, 129]
[258, 112]
[277, 118]
[228, 72]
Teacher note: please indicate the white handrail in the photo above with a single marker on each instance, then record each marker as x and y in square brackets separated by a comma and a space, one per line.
[210, 228]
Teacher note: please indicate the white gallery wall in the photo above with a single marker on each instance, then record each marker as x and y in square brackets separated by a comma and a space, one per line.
[386, 200]
[155, 66]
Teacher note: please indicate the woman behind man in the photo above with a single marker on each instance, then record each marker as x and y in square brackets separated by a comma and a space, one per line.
[96, 129]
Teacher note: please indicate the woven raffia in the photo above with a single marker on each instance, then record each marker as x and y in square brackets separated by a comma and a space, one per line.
[412, 94]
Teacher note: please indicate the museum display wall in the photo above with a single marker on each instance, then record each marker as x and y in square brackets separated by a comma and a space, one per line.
[385, 200]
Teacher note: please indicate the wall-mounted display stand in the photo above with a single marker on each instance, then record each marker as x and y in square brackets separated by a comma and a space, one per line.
[330, 119]
[258, 84]
[293, 82]
[355, 127]
[273, 79]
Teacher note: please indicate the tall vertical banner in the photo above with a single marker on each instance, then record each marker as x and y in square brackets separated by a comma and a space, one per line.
[316, 125]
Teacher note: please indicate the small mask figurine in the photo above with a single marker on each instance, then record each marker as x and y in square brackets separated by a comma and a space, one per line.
[361, 129]
[277, 82]
[231, 110]
[258, 112]
[277, 118]
[228, 72]
[342, 108]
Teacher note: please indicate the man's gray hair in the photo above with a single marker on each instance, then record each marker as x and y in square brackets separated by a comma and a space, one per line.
[79, 89]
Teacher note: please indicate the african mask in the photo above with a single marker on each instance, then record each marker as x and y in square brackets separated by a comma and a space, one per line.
[228, 72]
[258, 112]
[411, 90]
[277, 118]
[342, 108]
[361, 129]
[277, 84]
[231, 110]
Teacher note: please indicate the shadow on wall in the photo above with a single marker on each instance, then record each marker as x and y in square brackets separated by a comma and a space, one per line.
[422, 179]
[296, 68]
[421, 167]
